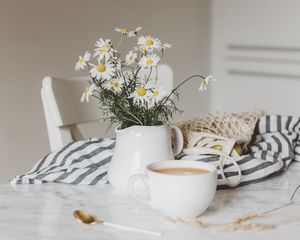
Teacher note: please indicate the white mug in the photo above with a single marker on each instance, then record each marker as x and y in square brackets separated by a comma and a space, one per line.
[178, 196]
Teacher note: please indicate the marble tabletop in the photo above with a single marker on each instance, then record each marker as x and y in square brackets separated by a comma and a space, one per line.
[45, 212]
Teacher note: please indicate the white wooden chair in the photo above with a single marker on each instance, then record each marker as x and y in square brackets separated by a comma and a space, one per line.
[64, 111]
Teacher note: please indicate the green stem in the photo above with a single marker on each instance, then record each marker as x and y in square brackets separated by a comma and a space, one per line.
[119, 44]
[298, 187]
[137, 71]
[156, 74]
[129, 120]
[125, 66]
[149, 75]
[174, 90]
[95, 96]
[128, 112]
[135, 76]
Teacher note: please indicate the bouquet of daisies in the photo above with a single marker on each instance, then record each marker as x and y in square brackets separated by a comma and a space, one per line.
[125, 88]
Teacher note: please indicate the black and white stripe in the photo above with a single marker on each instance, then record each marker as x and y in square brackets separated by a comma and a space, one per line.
[275, 143]
[81, 162]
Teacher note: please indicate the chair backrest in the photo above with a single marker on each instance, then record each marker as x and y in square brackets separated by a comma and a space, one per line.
[63, 109]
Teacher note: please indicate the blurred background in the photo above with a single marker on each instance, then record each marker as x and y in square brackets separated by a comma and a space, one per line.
[252, 47]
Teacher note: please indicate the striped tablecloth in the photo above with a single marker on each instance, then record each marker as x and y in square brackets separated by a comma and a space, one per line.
[275, 144]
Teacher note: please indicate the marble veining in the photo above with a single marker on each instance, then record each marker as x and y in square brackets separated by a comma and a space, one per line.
[45, 212]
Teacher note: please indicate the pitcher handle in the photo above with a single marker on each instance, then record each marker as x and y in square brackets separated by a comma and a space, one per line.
[131, 188]
[178, 145]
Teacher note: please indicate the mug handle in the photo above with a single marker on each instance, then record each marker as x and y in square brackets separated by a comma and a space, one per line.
[178, 145]
[131, 188]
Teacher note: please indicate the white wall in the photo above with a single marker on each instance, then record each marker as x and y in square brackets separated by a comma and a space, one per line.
[40, 38]
[256, 55]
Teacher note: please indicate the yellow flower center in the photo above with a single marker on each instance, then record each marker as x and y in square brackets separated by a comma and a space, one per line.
[81, 60]
[124, 30]
[149, 42]
[105, 48]
[101, 68]
[142, 49]
[115, 84]
[149, 62]
[131, 57]
[86, 91]
[206, 80]
[141, 91]
[155, 93]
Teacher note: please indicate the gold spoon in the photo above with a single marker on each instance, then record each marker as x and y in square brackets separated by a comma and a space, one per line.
[87, 218]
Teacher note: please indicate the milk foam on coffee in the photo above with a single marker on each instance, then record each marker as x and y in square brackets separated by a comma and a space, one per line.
[180, 170]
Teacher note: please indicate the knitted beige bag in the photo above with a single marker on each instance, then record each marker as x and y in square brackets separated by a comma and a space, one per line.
[237, 126]
[220, 134]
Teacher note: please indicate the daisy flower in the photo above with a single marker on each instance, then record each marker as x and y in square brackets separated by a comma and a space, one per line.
[149, 61]
[140, 49]
[126, 32]
[156, 95]
[204, 83]
[104, 49]
[82, 61]
[88, 91]
[135, 32]
[102, 70]
[141, 95]
[131, 57]
[123, 31]
[114, 84]
[165, 45]
[149, 43]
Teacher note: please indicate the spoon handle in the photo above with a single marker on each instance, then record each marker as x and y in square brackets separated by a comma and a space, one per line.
[132, 229]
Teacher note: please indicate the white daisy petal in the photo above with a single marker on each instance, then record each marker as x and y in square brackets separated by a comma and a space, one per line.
[118, 29]
[141, 96]
[102, 70]
[104, 49]
[82, 97]
[88, 91]
[130, 58]
[126, 32]
[149, 61]
[202, 87]
[132, 34]
[156, 95]
[142, 50]
[135, 32]
[205, 82]
[149, 43]
[210, 78]
[138, 29]
[165, 45]
[87, 56]
[123, 31]
[114, 85]
[82, 62]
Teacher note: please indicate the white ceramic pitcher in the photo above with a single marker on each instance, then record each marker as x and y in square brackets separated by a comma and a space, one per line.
[136, 147]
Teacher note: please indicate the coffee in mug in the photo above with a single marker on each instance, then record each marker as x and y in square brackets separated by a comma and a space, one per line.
[178, 189]
[181, 171]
